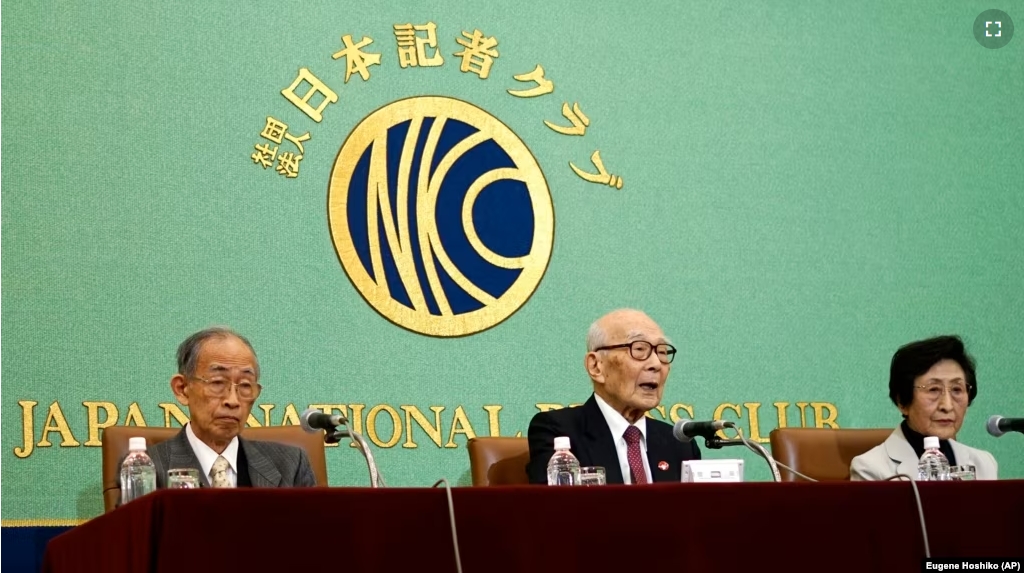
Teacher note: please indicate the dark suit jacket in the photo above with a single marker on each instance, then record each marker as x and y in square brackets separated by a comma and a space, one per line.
[592, 443]
[269, 464]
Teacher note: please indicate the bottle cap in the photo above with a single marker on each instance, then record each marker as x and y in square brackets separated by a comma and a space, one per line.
[562, 443]
[931, 442]
[136, 444]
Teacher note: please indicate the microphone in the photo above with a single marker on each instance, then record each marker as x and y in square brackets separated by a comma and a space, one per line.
[998, 425]
[313, 420]
[686, 430]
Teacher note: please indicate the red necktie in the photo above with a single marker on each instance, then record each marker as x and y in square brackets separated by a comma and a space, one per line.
[636, 461]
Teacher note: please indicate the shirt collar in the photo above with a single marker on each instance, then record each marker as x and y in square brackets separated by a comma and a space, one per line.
[207, 456]
[916, 441]
[617, 423]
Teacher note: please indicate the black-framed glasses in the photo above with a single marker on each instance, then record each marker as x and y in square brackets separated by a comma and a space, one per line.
[219, 387]
[641, 350]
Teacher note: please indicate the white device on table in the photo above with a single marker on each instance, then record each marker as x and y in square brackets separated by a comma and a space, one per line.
[713, 471]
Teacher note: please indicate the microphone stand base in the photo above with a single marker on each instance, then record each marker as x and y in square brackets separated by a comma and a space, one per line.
[335, 436]
[719, 443]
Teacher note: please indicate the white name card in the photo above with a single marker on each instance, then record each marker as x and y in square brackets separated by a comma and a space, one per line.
[713, 471]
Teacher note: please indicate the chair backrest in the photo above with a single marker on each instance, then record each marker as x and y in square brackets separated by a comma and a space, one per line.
[499, 461]
[822, 453]
[115, 448]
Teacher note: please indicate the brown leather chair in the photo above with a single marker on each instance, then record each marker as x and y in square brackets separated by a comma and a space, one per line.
[499, 461]
[115, 448]
[822, 453]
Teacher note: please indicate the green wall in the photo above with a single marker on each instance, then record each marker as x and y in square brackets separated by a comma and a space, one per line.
[806, 187]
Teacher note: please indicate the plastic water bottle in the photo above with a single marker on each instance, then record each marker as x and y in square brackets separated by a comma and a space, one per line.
[563, 468]
[933, 465]
[138, 473]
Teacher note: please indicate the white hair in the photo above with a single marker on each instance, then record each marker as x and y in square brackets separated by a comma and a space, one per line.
[596, 336]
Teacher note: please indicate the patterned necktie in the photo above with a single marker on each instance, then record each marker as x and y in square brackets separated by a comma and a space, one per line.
[219, 473]
[636, 461]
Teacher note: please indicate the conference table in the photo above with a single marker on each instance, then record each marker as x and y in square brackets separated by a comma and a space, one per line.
[836, 527]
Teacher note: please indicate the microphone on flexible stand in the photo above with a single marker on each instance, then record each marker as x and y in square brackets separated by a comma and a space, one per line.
[685, 430]
[998, 425]
[313, 420]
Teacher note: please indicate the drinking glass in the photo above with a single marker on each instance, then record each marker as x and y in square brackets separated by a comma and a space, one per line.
[962, 473]
[183, 478]
[592, 475]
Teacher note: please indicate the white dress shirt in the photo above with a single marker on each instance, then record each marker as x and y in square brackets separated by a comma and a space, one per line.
[207, 456]
[617, 424]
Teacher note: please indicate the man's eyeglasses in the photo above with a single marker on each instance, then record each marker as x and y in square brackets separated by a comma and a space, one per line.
[958, 391]
[641, 350]
[219, 387]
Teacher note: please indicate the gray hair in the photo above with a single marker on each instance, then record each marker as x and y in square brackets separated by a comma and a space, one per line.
[188, 351]
[596, 336]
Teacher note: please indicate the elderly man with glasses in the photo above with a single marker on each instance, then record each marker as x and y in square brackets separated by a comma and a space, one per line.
[628, 360]
[932, 383]
[218, 381]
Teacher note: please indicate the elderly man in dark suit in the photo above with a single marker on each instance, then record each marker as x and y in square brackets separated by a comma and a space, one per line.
[218, 381]
[628, 359]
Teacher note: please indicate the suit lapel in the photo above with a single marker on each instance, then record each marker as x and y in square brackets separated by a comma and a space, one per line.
[600, 442]
[181, 456]
[901, 453]
[963, 454]
[262, 470]
[658, 455]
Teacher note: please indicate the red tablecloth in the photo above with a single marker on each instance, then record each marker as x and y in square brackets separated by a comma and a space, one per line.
[681, 527]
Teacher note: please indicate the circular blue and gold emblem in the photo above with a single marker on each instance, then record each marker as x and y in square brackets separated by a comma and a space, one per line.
[440, 215]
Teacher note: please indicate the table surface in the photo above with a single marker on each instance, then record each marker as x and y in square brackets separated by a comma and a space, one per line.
[839, 526]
